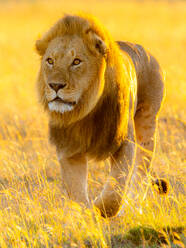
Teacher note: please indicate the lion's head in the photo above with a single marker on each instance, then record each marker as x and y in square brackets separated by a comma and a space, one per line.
[84, 80]
[82, 68]
[71, 79]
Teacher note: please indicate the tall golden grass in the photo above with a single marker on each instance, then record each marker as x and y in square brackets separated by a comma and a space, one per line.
[33, 213]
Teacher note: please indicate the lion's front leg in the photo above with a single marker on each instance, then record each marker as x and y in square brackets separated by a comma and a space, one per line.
[122, 163]
[74, 178]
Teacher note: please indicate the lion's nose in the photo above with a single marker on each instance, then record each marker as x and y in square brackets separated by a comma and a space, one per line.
[57, 86]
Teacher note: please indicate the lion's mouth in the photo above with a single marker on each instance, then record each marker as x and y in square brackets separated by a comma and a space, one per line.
[60, 105]
[58, 99]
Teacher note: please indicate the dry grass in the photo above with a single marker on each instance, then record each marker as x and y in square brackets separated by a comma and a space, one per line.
[32, 211]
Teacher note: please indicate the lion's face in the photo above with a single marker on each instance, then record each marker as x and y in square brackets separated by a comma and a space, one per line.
[73, 75]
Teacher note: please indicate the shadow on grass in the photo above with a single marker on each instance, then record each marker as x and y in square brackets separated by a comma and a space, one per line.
[141, 236]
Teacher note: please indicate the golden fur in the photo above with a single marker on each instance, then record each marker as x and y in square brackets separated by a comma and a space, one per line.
[100, 103]
[110, 93]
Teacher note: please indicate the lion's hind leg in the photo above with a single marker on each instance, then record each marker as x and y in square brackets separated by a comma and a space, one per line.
[145, 125]
[150, 95]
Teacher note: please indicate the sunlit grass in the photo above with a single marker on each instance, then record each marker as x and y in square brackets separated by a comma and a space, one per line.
[33, 213]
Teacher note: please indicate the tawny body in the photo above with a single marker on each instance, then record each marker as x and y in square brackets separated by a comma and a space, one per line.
[110, 97]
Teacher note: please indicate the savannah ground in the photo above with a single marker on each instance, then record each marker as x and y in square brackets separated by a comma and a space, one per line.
[33, 213]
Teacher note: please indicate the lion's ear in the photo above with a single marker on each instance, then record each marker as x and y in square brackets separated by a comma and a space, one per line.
[100, 45]
[41, 47]
[96, 43]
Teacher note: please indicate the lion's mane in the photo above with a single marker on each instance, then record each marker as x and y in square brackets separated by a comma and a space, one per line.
[101, 131]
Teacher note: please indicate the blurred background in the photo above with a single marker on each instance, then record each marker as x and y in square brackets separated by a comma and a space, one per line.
[158, 25]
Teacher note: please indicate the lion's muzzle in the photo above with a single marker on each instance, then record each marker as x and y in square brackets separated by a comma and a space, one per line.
[57, 86]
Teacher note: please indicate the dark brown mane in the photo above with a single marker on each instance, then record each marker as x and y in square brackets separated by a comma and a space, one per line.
[100, 132]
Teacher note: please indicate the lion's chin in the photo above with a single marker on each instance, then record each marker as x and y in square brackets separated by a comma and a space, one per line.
[60, 107]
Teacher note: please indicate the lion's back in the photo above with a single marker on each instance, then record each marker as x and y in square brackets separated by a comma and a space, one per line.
[150, 86]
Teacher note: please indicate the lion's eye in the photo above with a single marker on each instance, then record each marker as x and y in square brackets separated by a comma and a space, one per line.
[50, 61]
[76, 62]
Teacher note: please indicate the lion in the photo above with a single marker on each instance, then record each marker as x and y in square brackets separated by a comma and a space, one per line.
[103, 99]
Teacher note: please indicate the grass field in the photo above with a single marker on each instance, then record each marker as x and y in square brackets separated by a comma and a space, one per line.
[33, 212]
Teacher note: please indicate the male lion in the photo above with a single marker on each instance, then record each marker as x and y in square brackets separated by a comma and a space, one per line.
[103, 99]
